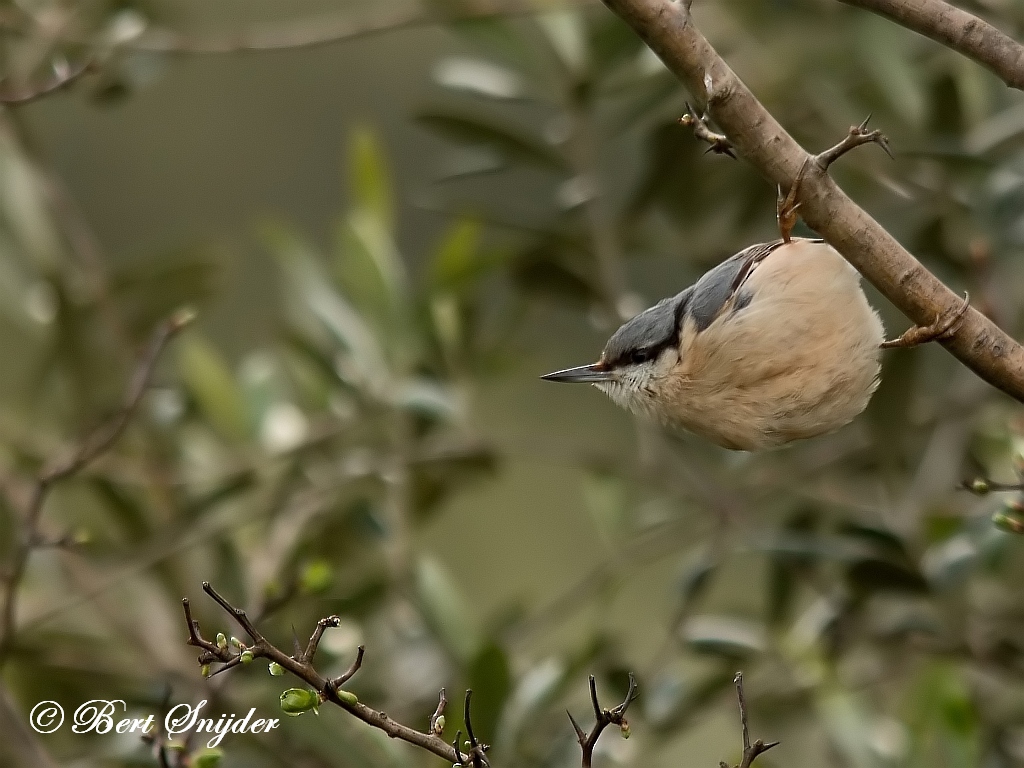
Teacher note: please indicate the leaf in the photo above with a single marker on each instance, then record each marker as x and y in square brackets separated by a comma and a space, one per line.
[457, 259]
[445, 610]
[568, 38]
[310, 287]
[491, 681]
[726, 636]
[438, 475]
[468, 129]
[370, 179]
[479, 78]
[875, 575]
[213, 387]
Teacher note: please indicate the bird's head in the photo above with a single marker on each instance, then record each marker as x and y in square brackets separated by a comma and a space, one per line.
[638, 358]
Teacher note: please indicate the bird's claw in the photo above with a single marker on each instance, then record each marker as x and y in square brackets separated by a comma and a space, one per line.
[786, 207]
[945, 325]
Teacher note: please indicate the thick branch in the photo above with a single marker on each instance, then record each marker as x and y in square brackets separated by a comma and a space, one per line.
[93, 446]
[667, 28]
[956, 29]
[301, 666]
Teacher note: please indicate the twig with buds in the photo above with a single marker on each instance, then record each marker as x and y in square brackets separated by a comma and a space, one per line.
[296, 701]
[603, 718]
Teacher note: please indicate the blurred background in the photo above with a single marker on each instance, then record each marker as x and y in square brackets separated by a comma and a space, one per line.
[391, 218]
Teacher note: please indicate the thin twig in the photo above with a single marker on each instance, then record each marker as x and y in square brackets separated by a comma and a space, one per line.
[602, 719]
[750, 751]
[436, 725]
[717, 143]
[858, 136]
[93, 446]
[329, 690]
[62, 78]
[669, 30]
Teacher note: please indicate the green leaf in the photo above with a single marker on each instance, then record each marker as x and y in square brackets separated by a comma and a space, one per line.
[479, 78]
[491, 681]
[213, 387]
[309, 287]
[369, 178]
[725, 636]
[446, 610]
[457, 259]
[469, 129]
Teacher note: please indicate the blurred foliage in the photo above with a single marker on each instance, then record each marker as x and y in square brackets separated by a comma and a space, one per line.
[873, 605]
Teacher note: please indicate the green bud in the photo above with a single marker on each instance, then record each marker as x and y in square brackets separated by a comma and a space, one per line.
[295, 701]
[235, 642]
[624, 729]
[245, 657]
[346, 696]
[1009, 520]
[979, 486]
[209, 759]
[276, 669]
[222, 641]
[439, 725]
[205, 670]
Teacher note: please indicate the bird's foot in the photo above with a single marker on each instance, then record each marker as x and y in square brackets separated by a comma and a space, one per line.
[858, 135]
[945, 325]
[786, 206]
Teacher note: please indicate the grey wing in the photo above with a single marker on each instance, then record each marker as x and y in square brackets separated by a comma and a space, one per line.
[712, 292]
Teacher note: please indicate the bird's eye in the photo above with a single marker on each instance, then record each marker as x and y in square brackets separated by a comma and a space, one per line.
[638, 356]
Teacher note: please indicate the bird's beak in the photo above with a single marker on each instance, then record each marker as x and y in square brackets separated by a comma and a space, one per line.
[584, 374]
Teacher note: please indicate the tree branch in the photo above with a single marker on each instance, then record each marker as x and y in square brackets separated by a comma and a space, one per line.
[956, 29]
[94, 445]
[301, 666]
[61, 78]
[602, 719]
[750, 751]
[668, 29]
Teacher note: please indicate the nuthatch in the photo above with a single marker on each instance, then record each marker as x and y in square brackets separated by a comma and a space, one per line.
[775, 344]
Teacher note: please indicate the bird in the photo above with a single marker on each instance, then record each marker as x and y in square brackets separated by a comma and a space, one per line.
[775, 344]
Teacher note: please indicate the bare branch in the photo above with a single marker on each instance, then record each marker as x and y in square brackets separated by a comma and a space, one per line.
[668, 29]
[750, 751]
[93, 446]
[602, 719]
[327, 689]
[858, 136]
[717, 143]
[956, 29]
[61, 78]
[318, 633]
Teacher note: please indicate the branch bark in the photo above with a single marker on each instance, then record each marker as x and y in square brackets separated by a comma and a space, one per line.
[956, 29]
[979, 344]
[302, 667]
